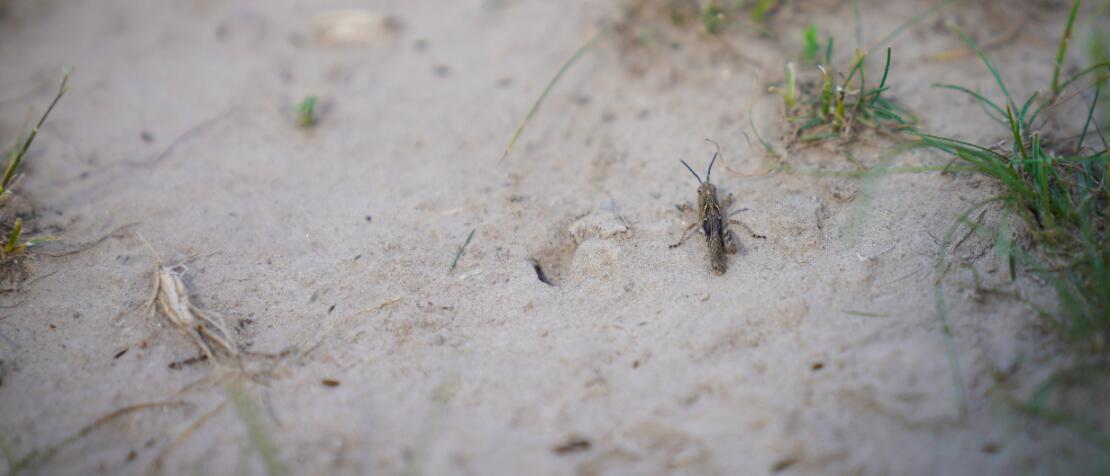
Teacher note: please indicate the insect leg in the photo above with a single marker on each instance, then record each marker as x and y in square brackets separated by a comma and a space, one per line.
[737, 212]
[685, 235]
[746, 228]
[730, 242]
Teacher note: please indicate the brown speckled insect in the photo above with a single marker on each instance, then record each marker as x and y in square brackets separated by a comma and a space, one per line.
[714, 222]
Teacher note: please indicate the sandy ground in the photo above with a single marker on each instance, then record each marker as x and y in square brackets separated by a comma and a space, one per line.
[818, 352]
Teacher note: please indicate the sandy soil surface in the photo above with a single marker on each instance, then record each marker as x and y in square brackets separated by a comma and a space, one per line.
[819, 351]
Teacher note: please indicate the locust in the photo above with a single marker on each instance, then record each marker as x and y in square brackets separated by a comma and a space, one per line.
[713, 219]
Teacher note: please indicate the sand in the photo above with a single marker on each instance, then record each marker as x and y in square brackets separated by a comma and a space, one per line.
[329, 250]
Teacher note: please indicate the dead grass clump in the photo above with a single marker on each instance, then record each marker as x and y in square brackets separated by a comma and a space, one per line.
[170, 297]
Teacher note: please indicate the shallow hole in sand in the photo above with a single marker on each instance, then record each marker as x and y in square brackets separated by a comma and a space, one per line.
[552, 261]
[540, 275]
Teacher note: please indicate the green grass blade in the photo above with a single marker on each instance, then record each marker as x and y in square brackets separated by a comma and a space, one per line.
[1003, 245]
[856, 13]
[1084, 72]
[1019, 144]
[462, 249]
[1041, 171]
[862, 84]
[1025, 109]
[759, 137]
[982, 99]
[917, 18]
[857, 67]
[942, 307]
[1081, 426]
[826, 94]
[812, 46]
[828, 51]
[1065, 40]
[306, 112]
[884, 113]
[16, 159]
[547, 90]
[1090, 116]
[791, 86]
[1074, 78]
[987, 61]
[955, 144]
[257, 433]
[13, 237]
[882, 82]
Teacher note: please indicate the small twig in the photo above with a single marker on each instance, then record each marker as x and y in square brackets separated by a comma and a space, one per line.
[971, 230]
[11, 306]
[14, 344]
[25, 284]
[963, 52]
[343, 320]
[918, 270]
[181, 437]
[192, 132]
[85, 246]
[34, 458]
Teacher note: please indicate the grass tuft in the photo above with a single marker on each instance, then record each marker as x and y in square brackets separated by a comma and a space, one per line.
[835, 106]
[1058, 194]
[14, 266]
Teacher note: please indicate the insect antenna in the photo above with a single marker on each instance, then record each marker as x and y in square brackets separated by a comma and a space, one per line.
[707, 172]
[691, 170]
[715, 155]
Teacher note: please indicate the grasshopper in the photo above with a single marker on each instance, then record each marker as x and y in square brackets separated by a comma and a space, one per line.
[714, 222]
